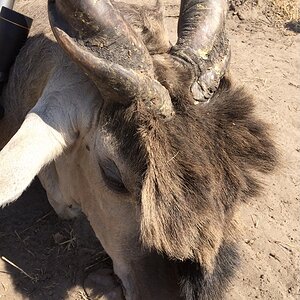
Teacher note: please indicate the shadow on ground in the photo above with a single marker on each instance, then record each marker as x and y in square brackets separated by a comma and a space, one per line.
[293, 26]
[56, 254]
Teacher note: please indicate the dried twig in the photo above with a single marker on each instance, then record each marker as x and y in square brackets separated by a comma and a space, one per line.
[37, 221]
[70, 241]
[274, 256]
[255, 222]
[15, 266]
[84, 295]
[286, 246]
[96, 263]
[4, 272]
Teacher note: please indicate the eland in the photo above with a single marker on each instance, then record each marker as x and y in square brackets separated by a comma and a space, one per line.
[151, 141]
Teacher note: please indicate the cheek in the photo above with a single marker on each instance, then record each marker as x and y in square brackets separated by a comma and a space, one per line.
[115, 223]
[114, 217]
[78, 175]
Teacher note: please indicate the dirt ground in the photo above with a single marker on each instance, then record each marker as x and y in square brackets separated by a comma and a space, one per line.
[57, 255]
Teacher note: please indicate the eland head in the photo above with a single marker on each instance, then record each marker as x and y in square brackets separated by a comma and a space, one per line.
[157, 148]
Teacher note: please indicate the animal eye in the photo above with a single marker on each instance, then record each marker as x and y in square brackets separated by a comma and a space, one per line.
[112, 176]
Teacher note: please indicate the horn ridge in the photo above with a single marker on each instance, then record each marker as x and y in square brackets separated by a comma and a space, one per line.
[118, 78]
[101, 29]
[202, 43]
[200, 22]
[104, 45]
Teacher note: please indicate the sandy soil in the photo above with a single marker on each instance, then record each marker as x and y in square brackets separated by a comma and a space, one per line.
[57, 255]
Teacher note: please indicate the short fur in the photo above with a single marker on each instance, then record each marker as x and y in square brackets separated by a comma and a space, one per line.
[152, 31]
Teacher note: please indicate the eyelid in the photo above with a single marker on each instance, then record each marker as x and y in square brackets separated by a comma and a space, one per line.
[111, 169]
[112, 176]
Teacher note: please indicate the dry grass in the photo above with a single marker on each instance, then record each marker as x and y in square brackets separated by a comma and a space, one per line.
[278, 12]
[288, 10]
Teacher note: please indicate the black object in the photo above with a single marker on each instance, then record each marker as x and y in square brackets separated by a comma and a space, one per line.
[1, 112]
[14, 29]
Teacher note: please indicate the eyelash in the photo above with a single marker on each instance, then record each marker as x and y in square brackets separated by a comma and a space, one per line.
[113, 184]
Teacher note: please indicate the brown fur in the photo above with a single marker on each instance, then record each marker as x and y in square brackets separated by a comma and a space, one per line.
[27, 82]
[148, 22]
[194, 171]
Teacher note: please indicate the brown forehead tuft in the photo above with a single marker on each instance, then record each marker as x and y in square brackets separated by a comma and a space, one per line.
[194, 169]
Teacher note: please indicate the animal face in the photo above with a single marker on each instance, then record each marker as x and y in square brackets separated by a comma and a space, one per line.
[155, 145]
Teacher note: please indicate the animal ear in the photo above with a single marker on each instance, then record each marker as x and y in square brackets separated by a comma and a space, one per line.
[41, 138]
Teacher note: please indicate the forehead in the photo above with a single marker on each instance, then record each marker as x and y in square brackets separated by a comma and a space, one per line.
[105, 141]
[120, 129]
[117, 139]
